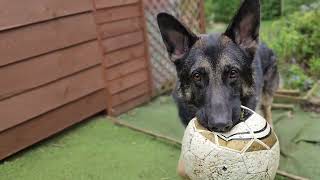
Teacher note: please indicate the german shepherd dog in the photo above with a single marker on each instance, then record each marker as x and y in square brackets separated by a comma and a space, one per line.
[219, 72]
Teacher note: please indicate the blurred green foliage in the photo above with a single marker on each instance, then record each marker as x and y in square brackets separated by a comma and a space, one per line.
[220, 10]
[296, 40]
[314, 65]
[290, 6]
[296, 78]
[223, 10]
[270, 9]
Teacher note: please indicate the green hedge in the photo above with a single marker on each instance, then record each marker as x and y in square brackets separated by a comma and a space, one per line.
[290, 6]
[296, 40]
[223, 10]
[270, 9]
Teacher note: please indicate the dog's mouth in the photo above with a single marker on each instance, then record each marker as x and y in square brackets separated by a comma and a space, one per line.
[245, 113]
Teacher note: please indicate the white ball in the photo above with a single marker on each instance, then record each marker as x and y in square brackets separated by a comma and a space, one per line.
[249, 151]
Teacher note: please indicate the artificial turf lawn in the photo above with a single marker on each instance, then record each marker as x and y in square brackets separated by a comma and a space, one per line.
[96, 149]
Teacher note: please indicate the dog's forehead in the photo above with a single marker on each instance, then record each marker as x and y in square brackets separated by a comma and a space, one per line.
[209, 41]
[201, 62]
[215, 51]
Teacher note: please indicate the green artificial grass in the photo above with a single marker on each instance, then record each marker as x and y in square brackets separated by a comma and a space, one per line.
[96, 149]
[159, 116]
[299, 143]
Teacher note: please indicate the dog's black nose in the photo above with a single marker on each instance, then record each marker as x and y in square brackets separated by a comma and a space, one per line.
[220, 126]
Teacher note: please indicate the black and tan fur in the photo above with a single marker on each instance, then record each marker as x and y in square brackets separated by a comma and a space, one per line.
[219, 72]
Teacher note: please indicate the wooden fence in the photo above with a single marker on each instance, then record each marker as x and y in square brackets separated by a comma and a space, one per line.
[64, 61]
[122, 35]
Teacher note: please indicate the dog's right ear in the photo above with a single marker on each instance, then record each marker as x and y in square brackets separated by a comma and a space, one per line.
[244, 27]
[176, 37]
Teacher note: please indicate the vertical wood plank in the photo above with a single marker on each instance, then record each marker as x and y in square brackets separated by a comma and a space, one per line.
[202, 17]
[146, 47]
[108, 98]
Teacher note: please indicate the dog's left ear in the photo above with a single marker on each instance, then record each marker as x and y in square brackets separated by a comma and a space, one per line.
[244, 27]
[177, 38]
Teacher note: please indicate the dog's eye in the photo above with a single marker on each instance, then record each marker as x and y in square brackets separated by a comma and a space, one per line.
[233, 74]
[196, 77]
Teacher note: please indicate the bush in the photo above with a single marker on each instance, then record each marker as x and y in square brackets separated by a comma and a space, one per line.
[208, 9]
[290, 6]
[296, 40]
[223, 10]
[296, 78]
[270, 9]
[314, 65]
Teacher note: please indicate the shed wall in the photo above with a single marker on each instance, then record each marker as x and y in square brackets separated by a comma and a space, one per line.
[64, 61]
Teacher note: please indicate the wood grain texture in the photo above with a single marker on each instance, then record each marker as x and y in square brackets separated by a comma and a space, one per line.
[147, 55]
[41, 100]
[127, 81]
[125, 68]
[25, 75]
[123, 41]
[127, 95]
[130, 104]
[121, 31]
[125, 54]
[120, 27]
[113, 3]
[16, 13]
[34, 130]
[19, 44]
[117, 13]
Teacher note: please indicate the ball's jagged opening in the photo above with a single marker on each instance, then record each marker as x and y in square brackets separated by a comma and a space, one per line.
[249, 150]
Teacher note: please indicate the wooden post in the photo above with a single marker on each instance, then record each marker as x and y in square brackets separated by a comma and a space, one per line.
[146, 46]
[202, 22]
[108, 98]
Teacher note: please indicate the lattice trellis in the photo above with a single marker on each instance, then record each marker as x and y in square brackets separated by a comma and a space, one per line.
[188, 11]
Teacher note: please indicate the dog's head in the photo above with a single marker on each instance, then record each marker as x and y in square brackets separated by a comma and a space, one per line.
[214, 71]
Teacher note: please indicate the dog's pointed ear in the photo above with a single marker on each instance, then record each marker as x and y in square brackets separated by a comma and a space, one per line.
[177, 38]
[244, 27]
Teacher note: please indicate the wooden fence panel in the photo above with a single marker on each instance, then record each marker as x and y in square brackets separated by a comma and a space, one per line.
[29, 41]
[113, 3]
[35, 130]
[118, 13]
[126, 68]
[131, 93]
[120, 27]
[124, 44]
[23, 76]
[122, 41]
[16, 13]
[64, 61]
[51, 71]
[129, 104]
[41, 100]
[124, 54]
[127, 81]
